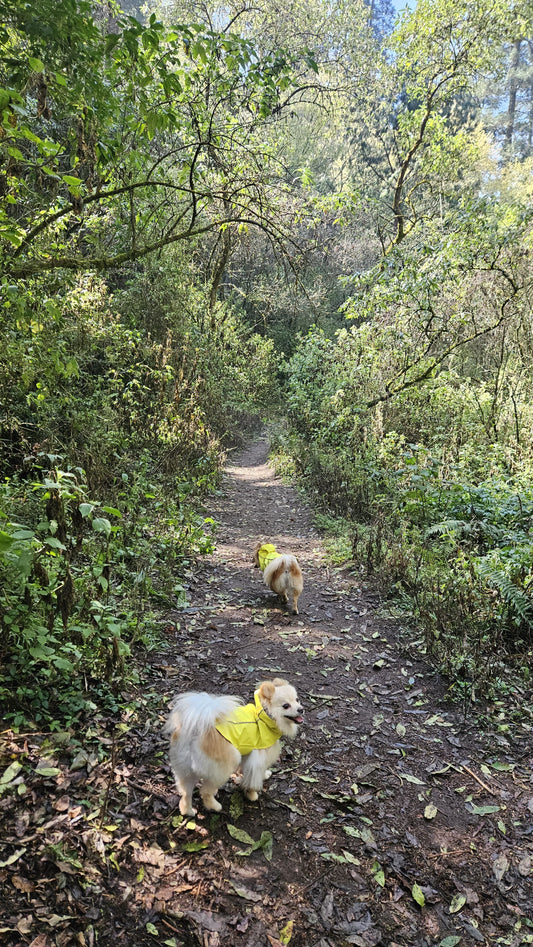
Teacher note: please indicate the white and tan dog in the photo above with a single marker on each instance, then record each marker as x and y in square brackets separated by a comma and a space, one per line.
[214, 736]
[282, 574]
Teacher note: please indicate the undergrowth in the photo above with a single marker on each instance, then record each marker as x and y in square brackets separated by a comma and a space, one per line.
[115, 413]
[455, 557]
[84, 583]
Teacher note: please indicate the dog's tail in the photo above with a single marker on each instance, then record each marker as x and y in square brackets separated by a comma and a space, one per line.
[196, 712]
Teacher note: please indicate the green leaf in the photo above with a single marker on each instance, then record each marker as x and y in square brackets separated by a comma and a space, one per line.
[71, 180]
[112, 511]
[194, 846]
[6, 541]
[54, 543]
[286, 933]
[47, 771]
[240, 834]
[236, 805]
[10, 773]
[450, 941]
[430, 811]
[265, 843]
[36, 64]
[23, 534]
[102, 525]
[355, 833]
[482, 810]
[458, 901]
[418, 895]
[351, 859]
[412, 779]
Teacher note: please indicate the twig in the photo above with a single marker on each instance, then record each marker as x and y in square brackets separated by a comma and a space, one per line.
[147, 791]
[459, 851]
[177, 868]
[316, 880]
[480, 781]
[460, 769]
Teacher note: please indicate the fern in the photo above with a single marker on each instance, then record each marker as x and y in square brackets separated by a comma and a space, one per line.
[517, 601]
[449, 528]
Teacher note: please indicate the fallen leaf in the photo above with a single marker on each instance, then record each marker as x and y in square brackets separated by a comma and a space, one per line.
[500, 866]
[418, 895]
[12, 858]
[411, 779]
[458, 901]
[286, 933]
[10, 773]
[22, 884]
[481, 810]
[245, 893]
[430, 811]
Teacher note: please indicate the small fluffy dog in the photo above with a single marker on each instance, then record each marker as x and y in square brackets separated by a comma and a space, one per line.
[282, 574]
[213, 736]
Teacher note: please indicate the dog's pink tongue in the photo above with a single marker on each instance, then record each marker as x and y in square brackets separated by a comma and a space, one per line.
[299, 719]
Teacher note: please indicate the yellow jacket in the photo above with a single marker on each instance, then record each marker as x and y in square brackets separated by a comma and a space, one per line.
[250, 728]
[266, 553]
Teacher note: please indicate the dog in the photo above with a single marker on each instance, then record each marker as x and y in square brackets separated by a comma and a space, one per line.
[282, 574]
[214, 736]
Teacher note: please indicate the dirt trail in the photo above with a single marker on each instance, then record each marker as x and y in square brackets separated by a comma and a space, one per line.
[389, 821]
[393, 821]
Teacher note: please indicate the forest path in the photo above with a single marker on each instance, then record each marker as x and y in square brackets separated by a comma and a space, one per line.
[393, 820]
[388, 821]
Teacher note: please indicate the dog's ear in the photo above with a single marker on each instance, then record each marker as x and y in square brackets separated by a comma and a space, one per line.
[267, 690]
[279, 682]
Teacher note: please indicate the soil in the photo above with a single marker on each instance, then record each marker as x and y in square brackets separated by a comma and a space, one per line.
[391, 819]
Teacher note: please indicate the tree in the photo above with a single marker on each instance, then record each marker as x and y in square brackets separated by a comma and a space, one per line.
[117, 145]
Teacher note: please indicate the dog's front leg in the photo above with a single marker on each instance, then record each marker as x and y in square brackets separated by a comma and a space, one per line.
[255, 769]
[208, 792]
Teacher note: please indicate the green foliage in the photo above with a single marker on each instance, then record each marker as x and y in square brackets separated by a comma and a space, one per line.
[435, 505]
[113, 412]
[152, 129]
[180, 160]
[80, 581]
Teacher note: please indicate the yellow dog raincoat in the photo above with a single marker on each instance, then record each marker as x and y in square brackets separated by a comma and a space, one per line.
[266, 553]
[250, 728]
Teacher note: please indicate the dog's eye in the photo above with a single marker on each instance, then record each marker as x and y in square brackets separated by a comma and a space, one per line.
[286, 706]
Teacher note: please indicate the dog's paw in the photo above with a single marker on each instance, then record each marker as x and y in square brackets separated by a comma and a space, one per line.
[268, 774]
[186, 808]
[251, 794]
[211, 803]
